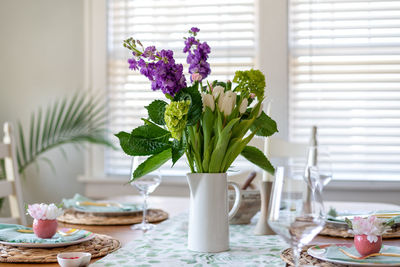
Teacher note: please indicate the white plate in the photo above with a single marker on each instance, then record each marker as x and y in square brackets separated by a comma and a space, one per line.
[320, 254]
[50, 245]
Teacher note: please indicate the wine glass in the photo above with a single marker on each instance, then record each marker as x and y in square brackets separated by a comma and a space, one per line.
[320, 157]
[295, 213]
[145, 185]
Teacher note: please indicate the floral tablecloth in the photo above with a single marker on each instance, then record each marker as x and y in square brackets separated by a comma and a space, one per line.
[167, 246]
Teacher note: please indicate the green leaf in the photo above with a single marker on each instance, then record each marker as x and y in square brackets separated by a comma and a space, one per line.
[178, 149]
[149, 139]
[124, 143]
[75, 120]
[254, 155]
[156, 111]
[349, 223]
[196, 104]
[265, 125]
[151, 164]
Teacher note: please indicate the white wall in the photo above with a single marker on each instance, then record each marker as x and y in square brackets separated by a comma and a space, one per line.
[41, 60]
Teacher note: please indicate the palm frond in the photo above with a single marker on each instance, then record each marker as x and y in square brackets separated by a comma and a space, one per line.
[78, 120]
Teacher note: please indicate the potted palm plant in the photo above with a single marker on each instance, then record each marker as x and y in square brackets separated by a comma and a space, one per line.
[211, 123]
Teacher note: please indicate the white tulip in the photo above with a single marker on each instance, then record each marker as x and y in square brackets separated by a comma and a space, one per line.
[243, 106]
[221, 100]
[218, 90]
[228, 103]
[208, 101]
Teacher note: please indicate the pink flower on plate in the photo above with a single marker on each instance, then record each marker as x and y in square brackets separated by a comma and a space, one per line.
[372, 227]
[44, 212]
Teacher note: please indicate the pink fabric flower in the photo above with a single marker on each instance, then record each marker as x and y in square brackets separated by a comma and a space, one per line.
[44, 212]
[372, 227]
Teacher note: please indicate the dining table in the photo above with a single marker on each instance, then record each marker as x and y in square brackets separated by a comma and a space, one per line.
[178, 206]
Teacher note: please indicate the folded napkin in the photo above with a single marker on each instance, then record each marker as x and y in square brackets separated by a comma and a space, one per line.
[334, 253]
[8, 233]
[72, 203]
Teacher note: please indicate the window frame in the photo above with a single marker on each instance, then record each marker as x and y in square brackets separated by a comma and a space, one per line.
[272, 17]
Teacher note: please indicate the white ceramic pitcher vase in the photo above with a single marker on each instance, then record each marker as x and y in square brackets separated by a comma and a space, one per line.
[209, 212]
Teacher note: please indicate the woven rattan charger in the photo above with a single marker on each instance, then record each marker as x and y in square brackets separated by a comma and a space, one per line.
[342, 231]
[305, 259]
[99, 246]
[85, 218]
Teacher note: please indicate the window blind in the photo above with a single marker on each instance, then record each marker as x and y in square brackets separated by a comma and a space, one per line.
[344, 67]
[227, 26]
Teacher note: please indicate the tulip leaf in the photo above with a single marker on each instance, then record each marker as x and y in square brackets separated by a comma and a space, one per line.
[264, 125]
[148, 139]
[196, 105]
[151, 164]
[156, 111]
[256, 156]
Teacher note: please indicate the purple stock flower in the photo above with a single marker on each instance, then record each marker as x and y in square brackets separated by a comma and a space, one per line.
[194, 29]
[133, 64]
[163, 73]
[197, 59]
[150, 52]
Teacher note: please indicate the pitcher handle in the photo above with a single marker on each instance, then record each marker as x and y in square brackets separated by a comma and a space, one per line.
[238, 199]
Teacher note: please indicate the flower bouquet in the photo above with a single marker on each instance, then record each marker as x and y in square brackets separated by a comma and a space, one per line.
[210, 122]
[206, 121]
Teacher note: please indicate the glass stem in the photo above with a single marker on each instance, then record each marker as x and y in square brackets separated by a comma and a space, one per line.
[144, 221]
[296, 255]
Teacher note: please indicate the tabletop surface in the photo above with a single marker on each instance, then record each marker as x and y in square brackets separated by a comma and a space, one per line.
[177, 205]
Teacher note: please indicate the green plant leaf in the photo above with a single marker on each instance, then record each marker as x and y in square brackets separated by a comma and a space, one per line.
[264, 125]
[156, 111]
[196, 104]
[69, 121]
[151, 164]
[149, 139]
[124, 143]
[178, 149]
[255, 156]
[349, 223]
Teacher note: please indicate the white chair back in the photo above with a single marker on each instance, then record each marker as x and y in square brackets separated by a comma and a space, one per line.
[11, 186]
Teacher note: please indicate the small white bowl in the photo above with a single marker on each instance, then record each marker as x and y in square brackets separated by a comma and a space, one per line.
[74, 259]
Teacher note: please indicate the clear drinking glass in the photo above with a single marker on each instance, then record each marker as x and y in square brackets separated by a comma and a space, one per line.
[145, 185]
[323, 164]
[295, 213]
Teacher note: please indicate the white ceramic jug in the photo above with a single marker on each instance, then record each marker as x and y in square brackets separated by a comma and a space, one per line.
[209, 215]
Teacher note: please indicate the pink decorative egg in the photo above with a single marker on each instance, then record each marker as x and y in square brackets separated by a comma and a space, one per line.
[45, 228]
[364, 247]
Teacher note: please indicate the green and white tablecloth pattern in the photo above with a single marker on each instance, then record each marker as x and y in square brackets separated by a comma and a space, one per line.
[167, 246]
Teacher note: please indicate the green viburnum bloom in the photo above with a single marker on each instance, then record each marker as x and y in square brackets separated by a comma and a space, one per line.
[175, 117]
[250, 82]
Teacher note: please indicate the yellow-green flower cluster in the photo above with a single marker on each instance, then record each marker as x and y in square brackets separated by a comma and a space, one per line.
[250, 82]
[175, 117]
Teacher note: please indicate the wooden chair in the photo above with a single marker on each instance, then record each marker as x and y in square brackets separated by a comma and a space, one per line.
[11, 186]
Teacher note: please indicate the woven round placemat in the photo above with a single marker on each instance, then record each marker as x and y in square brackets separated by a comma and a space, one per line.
[305, 259]
[99, 246]
[76, 217]
[395, 233]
